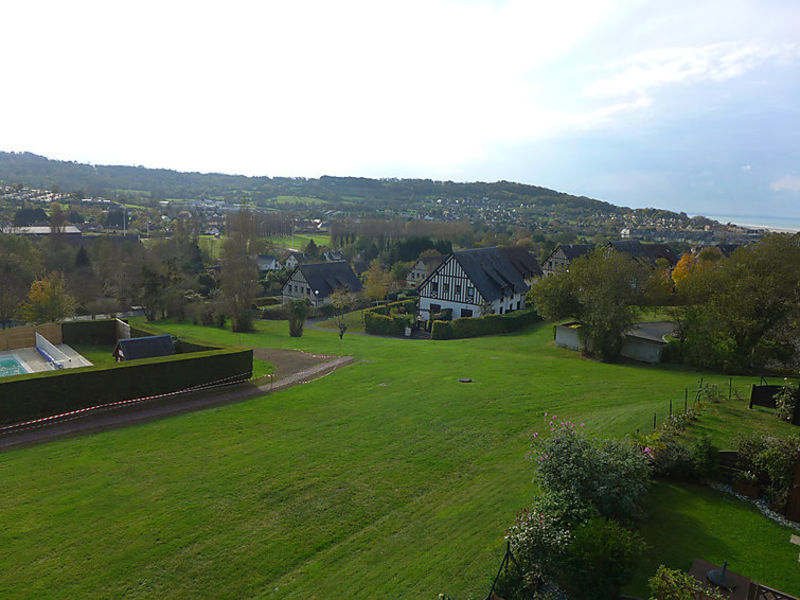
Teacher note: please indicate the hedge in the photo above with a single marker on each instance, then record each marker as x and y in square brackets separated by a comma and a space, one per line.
[378, 324]
[36, 395]
[101, 331]
[486, 325]
[380, 320]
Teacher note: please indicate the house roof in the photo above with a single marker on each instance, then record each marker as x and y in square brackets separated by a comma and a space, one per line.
[524, 262]
[573, 251]
[144, 347]
[491, 271]
[327, 276]
[646, 252]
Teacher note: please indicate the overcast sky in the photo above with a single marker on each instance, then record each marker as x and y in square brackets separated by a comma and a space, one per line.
[686, 105]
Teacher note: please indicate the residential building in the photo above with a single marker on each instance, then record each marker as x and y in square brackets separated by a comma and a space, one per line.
[317, 281]
[472, 283]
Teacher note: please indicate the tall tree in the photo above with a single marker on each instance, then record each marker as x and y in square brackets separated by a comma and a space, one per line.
[599, 290]
[749, 314]
[239, 275]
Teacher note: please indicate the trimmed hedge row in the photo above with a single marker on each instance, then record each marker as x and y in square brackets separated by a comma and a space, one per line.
[390, 319]
[36, 395]
[378, 324]
[101, 331]
[486, 325]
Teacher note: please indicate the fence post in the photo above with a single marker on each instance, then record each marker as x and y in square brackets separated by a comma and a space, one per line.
[685, 399]
[670, 407]
[654, 421]
[730, 387]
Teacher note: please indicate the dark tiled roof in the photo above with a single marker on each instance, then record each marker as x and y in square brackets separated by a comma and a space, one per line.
[648, 253]
[573, 251]
[326, 277]
[144, 347]
[524, 262]
[728, 249]
[491, 271]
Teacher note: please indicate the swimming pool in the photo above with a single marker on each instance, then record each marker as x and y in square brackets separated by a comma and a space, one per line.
[9, 365]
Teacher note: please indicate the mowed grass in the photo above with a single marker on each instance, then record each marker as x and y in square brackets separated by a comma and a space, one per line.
[301, 240]
[385, 479]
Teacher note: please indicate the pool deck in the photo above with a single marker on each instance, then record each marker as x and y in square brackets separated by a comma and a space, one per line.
[34, 362]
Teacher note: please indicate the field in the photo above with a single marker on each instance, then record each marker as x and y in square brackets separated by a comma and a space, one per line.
[385, 479]
[301, 240]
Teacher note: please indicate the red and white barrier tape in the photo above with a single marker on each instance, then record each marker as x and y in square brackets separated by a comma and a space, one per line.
[83, 411]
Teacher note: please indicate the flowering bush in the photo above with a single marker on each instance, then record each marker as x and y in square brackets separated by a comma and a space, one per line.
[785, 400]
[538, 542]
[610, 476]
[674, 584]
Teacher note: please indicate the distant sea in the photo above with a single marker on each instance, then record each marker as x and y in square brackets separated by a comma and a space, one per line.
[760, 221]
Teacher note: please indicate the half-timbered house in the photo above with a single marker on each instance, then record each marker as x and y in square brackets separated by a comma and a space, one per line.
[317, 281]
[471, 282]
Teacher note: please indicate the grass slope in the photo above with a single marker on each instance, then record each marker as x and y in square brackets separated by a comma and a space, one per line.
[384, 479]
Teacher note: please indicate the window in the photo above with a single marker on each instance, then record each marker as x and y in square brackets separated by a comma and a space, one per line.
[470, 292]
[446, 288]
[436, 308]
[458, 290]
[434, 286]
[466, 312]
[518, 303]
[501, 310]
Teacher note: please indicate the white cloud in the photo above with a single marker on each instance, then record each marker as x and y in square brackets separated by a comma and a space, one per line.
[714, 62]
[787, 183]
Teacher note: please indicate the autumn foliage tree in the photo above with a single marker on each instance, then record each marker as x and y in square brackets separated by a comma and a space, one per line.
[48, 301]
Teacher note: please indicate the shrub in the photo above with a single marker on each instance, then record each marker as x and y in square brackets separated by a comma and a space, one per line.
[390, 319]
[611, 475]
[674, 584]
[539, 542]
[768, 459]
[298, 310]
[670, 457]
[487, 325]
[602, 557]
[786, 400]
[704, 456]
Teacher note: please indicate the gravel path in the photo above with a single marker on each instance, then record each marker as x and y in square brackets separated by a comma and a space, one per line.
[292, 368]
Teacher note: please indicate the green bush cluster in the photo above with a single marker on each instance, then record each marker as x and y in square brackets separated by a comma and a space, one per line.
[487, 325]
[674, 584]
[576, 536]
[390, 319]
[36, 395]
[768, 460]
[378, 324]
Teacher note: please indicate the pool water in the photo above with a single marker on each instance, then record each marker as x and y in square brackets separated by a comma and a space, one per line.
[10, 366]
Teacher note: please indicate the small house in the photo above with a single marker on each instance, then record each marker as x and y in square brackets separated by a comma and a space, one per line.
[317, 281]
[144, 347]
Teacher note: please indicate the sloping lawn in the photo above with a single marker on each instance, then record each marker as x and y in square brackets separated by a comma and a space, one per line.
[388, 478]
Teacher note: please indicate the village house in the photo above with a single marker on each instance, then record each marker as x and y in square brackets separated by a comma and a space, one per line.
[267, 262]
[293, 258]
[422, 268]
[317, 281]
[472, 283]
[648, 254]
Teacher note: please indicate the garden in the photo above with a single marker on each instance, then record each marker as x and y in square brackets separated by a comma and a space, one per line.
[388, 478]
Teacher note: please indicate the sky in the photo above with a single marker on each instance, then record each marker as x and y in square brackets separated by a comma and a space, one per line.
[687, 105]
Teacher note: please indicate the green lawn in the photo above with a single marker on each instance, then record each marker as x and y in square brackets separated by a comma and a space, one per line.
[98, 355]
[301, 240]
[385, 479]
[353, 320]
